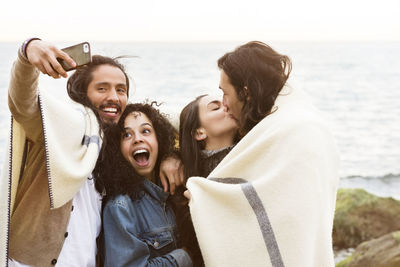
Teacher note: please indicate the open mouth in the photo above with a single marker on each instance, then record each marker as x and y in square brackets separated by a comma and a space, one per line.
[141, 157]
[110, 109]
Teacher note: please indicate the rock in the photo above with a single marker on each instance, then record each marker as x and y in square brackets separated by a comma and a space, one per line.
[361, 216]
[380, 252]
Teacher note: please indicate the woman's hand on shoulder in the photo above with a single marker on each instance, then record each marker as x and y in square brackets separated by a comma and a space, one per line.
[171, 174]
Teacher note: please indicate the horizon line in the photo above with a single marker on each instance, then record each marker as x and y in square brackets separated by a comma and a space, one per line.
[214, 41]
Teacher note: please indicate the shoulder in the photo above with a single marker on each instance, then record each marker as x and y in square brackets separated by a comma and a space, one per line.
[120, 201]
[293, 113]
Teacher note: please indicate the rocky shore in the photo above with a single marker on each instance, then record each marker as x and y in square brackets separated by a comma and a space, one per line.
[371, 225]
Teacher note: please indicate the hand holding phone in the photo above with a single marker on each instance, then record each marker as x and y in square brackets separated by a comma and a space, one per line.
[80, 53]
[44, 56]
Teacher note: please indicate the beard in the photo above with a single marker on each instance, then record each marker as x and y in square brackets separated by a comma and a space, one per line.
[105, 123]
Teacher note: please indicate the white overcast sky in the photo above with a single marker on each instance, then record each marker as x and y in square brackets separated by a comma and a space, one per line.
[202, 20]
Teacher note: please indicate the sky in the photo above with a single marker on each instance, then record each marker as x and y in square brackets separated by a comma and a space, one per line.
[206, 20]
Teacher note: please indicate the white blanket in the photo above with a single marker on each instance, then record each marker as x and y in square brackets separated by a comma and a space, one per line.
[73, 142]
[72, 145]
[271, 201]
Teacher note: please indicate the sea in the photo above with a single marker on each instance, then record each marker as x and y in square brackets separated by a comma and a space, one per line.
[356, 85]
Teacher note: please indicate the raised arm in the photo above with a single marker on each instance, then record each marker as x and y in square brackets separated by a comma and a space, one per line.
[22, 94]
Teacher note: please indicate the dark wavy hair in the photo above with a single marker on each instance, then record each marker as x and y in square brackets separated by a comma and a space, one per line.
[263, 71]
[78, 82]
[190, 148]
[113, 173]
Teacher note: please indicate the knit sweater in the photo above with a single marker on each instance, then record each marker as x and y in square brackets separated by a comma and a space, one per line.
[209, 160]
[52, 150]
[271, 200]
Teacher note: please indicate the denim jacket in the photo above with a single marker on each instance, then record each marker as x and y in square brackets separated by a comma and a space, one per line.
[142, 232]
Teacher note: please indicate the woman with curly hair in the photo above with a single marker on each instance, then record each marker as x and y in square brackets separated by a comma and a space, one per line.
[139, 223]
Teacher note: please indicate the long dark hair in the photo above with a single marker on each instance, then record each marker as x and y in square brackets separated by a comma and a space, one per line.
[190, 148]
[113, 173]
[263, 71]
[78, 82]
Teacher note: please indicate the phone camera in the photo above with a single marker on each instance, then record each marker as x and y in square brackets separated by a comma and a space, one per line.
[85, 48]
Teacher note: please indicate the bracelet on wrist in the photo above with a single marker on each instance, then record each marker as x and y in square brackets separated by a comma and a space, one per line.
[25, 45]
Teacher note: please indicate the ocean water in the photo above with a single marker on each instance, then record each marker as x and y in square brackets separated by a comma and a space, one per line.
[355, 85]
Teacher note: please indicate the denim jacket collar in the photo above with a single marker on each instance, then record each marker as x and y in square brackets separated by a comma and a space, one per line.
[155, 191]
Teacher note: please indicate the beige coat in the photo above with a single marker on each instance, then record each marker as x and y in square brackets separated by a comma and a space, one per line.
[46, 166]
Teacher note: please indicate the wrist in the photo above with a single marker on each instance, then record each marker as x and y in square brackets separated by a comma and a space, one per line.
[173, 154]
[25, 45]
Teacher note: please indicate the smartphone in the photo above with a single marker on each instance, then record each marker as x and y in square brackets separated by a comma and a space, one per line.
[80, 53]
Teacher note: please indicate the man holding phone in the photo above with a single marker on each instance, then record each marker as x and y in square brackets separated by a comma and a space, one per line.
[50, 209]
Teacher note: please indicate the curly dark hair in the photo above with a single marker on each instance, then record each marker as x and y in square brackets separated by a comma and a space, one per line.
[258, 73]
[113, 173]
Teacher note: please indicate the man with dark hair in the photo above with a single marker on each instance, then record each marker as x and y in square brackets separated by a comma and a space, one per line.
[271, 200]
[50, 209]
